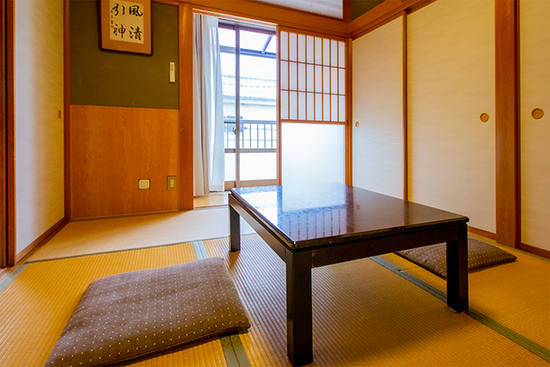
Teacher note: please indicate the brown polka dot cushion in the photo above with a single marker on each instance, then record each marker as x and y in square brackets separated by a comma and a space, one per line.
[434, 257]
[140, 313]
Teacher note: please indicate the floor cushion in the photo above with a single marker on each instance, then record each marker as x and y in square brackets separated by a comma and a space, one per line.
[434, 257]
[140, 313]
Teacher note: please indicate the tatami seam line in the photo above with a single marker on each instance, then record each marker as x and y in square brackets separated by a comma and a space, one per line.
[233, 349]
[508, 333]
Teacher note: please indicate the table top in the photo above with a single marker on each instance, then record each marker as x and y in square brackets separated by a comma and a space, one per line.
[317, 215]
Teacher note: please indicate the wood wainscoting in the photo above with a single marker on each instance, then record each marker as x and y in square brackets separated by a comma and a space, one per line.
[114, 147]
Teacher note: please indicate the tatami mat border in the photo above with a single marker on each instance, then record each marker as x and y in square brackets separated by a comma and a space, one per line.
[7, 281]
[517, 338]
[233, 349]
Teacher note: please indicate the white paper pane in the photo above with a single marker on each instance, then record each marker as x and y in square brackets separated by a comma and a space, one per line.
[318, 78]
[326, 79]
[301, 48]
[334, 80]
[333, 108]
[310, 49]
[284, 104]
[293, 76]
[318, 50]
[312, 153]
[310, 78]
[326, 51]
[284, 75]
[318, 107]
[292, 46]
[341, 108]
[342, 81]
[293, 105]
[326, 107]
[302, 77]
[301, 106]
[284, 46]
[310, 103]
[333, 53]
[341, 54]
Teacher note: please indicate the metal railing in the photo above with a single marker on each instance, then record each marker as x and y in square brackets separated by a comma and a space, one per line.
[254, 135]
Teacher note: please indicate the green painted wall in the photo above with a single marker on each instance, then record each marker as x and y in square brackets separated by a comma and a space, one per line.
[111, 78]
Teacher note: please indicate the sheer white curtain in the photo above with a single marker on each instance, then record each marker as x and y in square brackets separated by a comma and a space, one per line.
[208, 145]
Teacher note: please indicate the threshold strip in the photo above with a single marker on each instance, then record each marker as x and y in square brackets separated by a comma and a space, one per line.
[233, 349]
[517, 338]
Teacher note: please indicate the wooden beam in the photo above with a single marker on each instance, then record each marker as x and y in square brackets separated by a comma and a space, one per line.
[507, 123]
[275, 14]
[382, 14]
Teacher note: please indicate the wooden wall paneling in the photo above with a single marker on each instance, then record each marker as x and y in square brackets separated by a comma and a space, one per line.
[111, 149]
[377, 92]
[507, 124]
[185, 132]
[534, 48]
[450, 83]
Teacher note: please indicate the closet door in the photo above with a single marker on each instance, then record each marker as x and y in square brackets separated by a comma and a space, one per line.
[535, 122]
[377, 96]
[451, 89]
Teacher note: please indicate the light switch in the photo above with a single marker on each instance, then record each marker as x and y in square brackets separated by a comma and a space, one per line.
[172, 72]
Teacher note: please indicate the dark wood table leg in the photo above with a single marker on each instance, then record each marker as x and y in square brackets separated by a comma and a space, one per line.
[298, 308]
[457, 271]
[234, 230]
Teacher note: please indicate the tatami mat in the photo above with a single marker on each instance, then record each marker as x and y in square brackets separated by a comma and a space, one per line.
[115, 234]
[515, 294]
[37, 303]
[363, 315]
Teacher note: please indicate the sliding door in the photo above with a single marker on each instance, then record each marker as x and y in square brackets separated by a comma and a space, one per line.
[451, 109]
[312, 107]
[534, 46]
[249, 74]
[377, 93]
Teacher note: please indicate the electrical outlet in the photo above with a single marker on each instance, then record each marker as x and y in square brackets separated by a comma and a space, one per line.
[171, 182]
[144, 184]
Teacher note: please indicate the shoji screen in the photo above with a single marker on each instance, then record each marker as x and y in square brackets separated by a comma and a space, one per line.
[312, 92]
[534, 46]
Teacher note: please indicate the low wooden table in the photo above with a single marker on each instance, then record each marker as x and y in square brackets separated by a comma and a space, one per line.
[315, 225]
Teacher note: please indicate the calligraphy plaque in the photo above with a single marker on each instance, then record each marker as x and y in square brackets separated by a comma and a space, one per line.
[126, 25]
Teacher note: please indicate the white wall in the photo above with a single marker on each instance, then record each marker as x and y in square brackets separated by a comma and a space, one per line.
[38, 128]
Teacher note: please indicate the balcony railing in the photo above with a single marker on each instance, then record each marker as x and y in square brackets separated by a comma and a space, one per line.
[254, 135]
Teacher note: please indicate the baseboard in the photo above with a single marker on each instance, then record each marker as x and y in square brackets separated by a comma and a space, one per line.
[481, 232]
[534, 250]
[42, 239]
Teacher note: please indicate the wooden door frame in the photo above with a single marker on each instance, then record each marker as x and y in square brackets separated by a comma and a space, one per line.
[7, 145]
